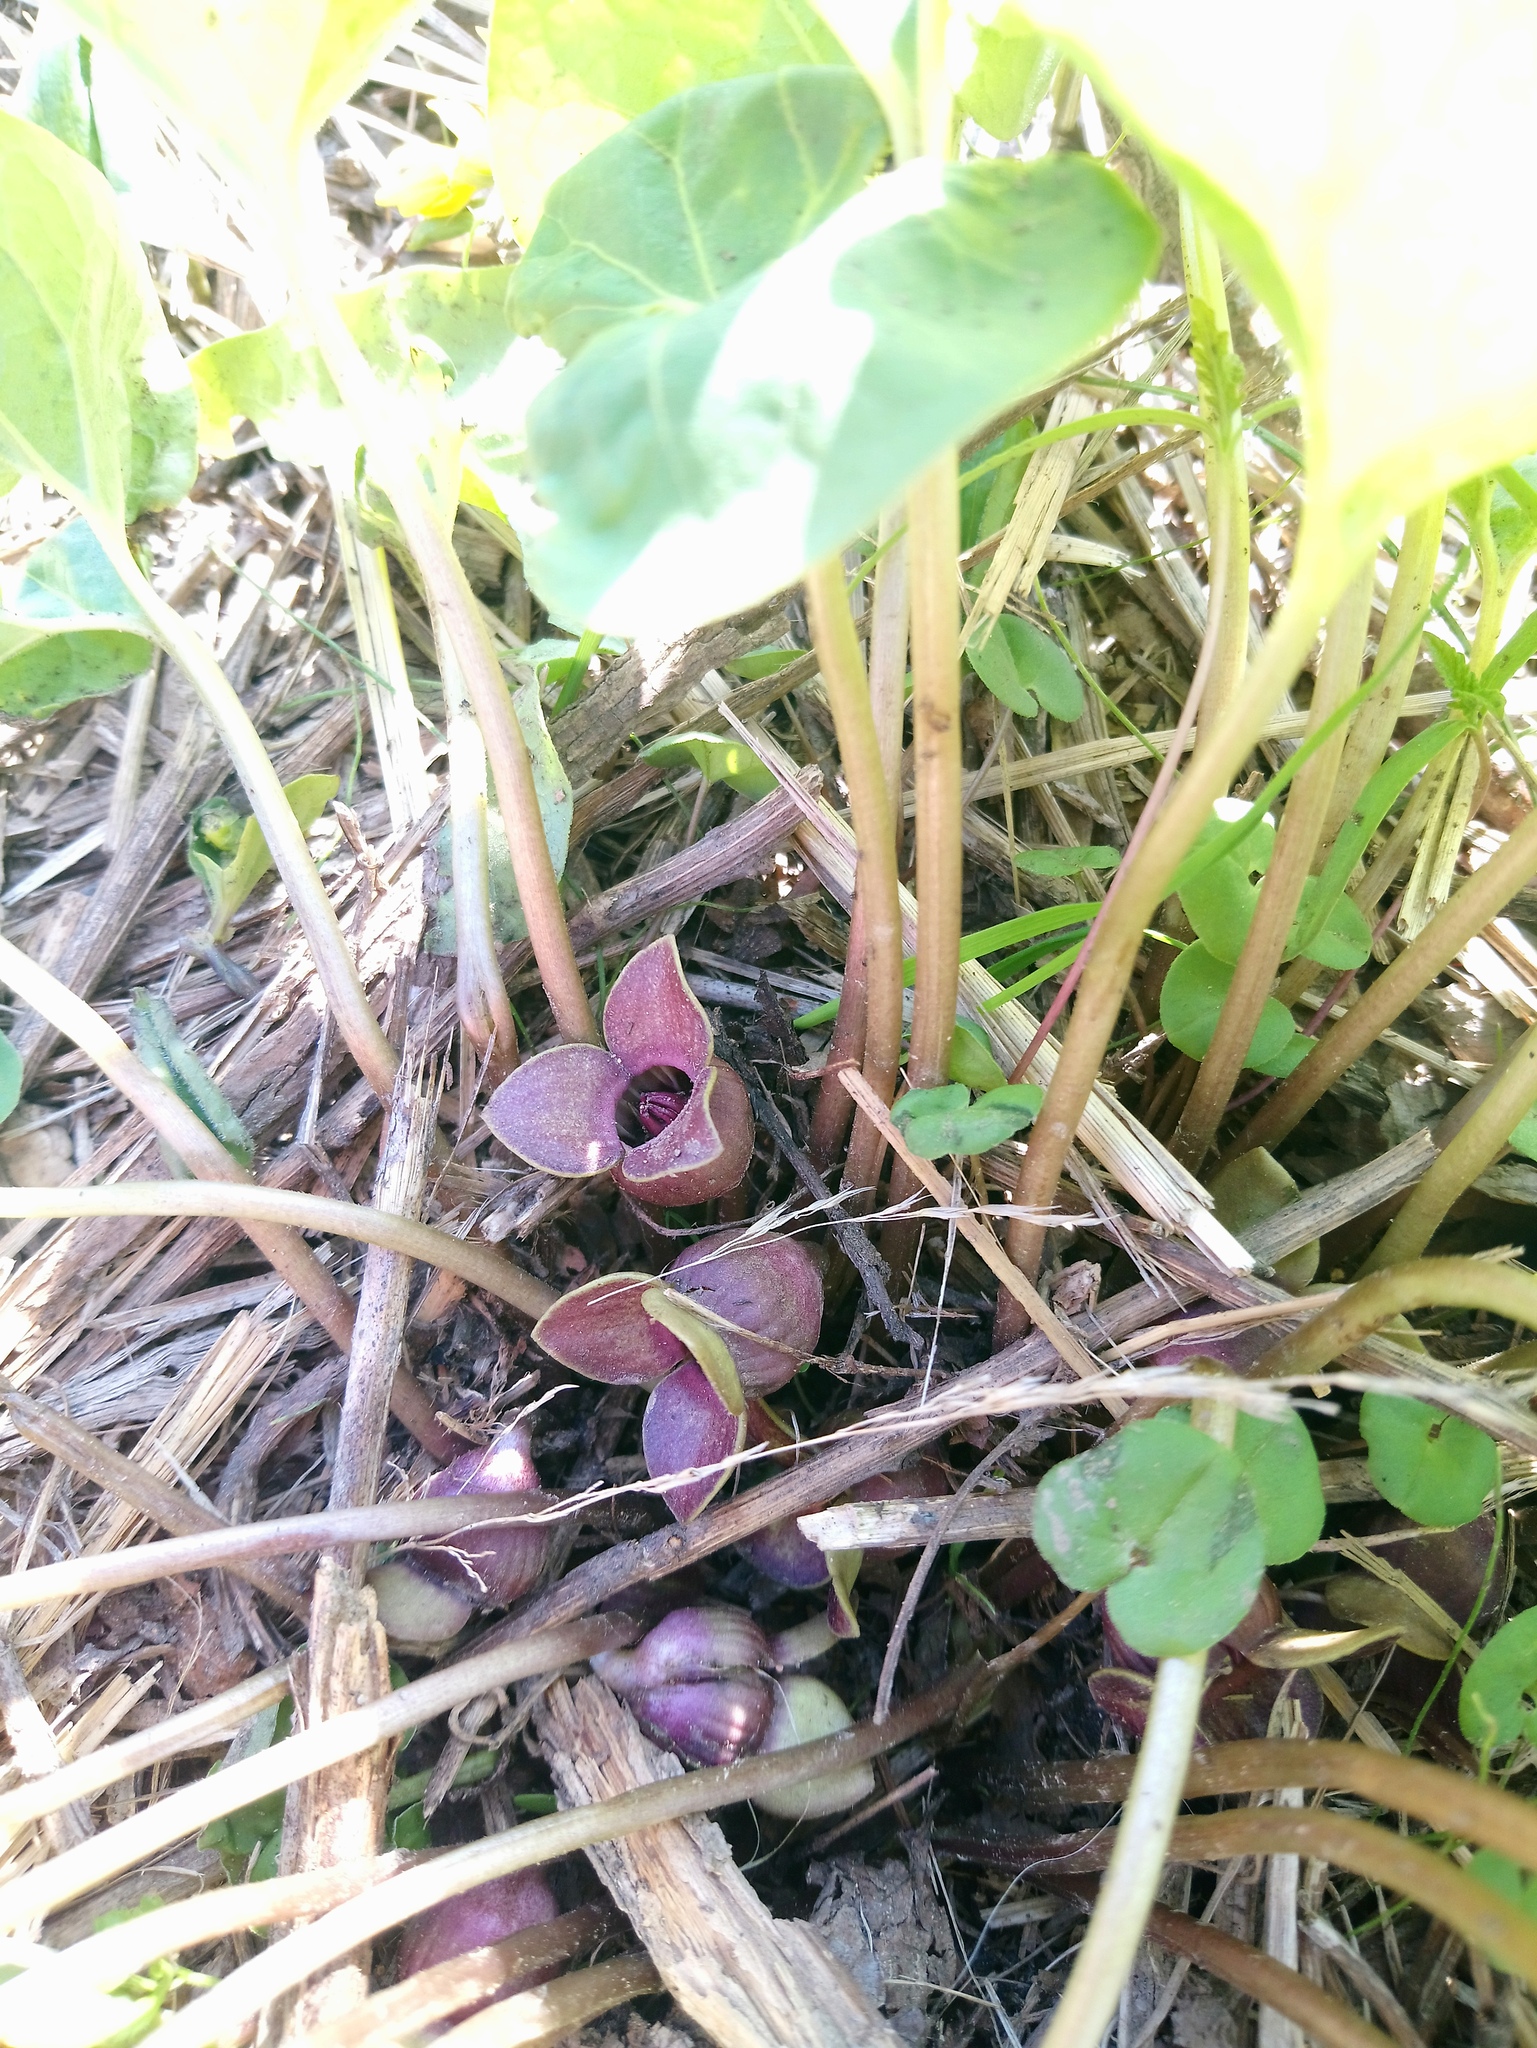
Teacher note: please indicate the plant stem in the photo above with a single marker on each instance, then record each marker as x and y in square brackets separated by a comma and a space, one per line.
[1109, 1948]
[463, 641]
[1119, 926]
[1423, 1283]
[1475, 1147]
[253, 1206]
[888, 658]
[1296, 843]
[837, 650]
[1408, 608]
[485, 1014]
[334, 964]
[834, 1110]
[220, 1549]
[1219, 375]
[934, 543]
[1480, 898]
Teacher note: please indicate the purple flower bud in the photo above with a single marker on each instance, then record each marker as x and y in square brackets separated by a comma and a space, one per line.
[687, 1424]
[475, 1919]
[689, 1643]
[417, 1611]
[656, 1107]
[708, 1720]
[804, 1710]
[787, 1557]
[1124, 1697]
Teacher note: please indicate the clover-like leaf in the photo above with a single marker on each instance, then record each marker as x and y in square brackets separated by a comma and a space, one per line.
[684, 203]
[562, 78]
[1281, 1467]
[1431, 1465]
[937, 1121]
[693, 463]
[1498, 1701]
[727, 760]
[1417, 367]
[1162, 1516]
[1027, 670]
[291, 61]
[95, 398]
[1194, 990]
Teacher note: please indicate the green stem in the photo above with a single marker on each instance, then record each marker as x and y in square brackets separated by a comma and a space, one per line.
[334, 964]
[848, 693]
[933, 544]
[1120, 925]
[1476, 1146]
[1224, 646]
[1423, 1283]
[1296, 843]
[258, 1208]
[485, 1014]
[1494, 591]
[463, 640]
[1408, 609]
[1480, 898]
[1109, 1948]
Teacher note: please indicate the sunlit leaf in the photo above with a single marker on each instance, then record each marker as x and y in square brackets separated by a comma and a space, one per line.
[228, 854]
[95, 398]
[68, 628]
[694, 463]
[1345, 135]
[1161, 1515]
[1026, 669]
[565, 74]
[1194, 990]
[251, 79]
[937, 1122]
[1431, 1465]
[694, 197]
[730, 761]
[971, 1059]
[1009, 74]
[1512, 520]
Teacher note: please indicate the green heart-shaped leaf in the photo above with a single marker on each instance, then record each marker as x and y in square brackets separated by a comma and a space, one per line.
[688, 202]
[95, 398]
[1027, 670]
[1194, 990]
[1499, 1693]
[1430, 1465]
[1416, 364]
[694, 463]
[937, 1122]
[564, 74]
[1163, 1516]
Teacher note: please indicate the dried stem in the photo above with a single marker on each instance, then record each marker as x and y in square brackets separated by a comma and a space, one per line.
[334, 963]
[933, 545]
[481, 1264]
[1290, 865]
[1475, 1147]
[554, 2012]
[463, 641]
[832, 632]
[1119, 927]
[41, 1891]
[1481, 897]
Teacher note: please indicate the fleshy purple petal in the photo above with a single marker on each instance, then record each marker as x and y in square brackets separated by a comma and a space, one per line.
[602, 1331]
[687, 1424]
[653, 1018]
[558, 1110]
[712, 1721]
[768, 1288]
[704, 1152]
[787, 1557]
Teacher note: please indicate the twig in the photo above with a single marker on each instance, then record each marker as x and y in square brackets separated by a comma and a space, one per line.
[533, 2019]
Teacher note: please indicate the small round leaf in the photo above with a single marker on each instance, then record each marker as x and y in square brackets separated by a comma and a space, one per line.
[1430, 1465]
[1026, 669]
[1193, 993]
[1499, 1693]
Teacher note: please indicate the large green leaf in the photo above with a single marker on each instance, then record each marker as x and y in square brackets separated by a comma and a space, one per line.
[251, 79]
[563, 74]
[694, 463]
[1373, 184]
[94, 398]
[68, 628]
[1164, 1517]
[695, 197]
[461, 318]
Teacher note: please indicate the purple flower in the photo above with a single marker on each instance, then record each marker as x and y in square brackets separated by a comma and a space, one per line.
[656, 1106]
[731, 1318]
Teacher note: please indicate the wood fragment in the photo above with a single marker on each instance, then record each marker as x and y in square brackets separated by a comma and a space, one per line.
[749, 1980]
